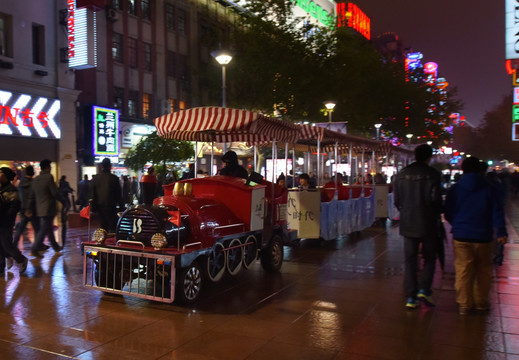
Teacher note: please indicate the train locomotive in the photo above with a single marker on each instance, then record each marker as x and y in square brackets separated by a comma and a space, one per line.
[200, 230]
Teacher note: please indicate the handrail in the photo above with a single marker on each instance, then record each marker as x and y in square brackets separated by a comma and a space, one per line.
[228, 226]
[192, 244]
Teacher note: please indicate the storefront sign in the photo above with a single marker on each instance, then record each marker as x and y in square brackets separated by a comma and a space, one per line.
[350, 15]
[31, 116]
[105, 131]
[82, 42]
[512, 29]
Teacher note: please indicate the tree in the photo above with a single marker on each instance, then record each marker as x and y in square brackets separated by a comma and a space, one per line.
[158, 151]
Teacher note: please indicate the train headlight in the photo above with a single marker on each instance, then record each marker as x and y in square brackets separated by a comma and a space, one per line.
[99, 236]
[158, 241]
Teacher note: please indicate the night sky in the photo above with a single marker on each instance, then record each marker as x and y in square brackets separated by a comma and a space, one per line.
[465, 37]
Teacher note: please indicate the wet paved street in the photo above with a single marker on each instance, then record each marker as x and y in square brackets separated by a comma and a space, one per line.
[333, 300]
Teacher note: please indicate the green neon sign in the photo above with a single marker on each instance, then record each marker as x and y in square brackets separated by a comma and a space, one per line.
[316, 11]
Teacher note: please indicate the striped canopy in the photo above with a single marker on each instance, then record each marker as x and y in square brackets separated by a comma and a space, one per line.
[224, 125]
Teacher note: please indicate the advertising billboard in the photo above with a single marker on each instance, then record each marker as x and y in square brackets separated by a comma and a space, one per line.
[82, 42]
[105, 131]
[30, 116]
[512, 29]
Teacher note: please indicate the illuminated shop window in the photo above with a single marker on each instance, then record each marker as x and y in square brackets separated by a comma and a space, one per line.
[182, 105]
[171, 105]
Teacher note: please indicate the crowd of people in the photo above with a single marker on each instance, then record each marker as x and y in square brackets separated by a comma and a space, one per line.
[473, 205]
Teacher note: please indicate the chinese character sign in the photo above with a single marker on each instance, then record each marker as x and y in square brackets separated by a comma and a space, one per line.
[105, 131]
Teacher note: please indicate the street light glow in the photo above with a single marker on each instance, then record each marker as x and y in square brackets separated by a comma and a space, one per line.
[223, 57]
[329, 105]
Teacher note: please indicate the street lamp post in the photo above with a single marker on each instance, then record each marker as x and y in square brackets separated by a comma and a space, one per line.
[409, 136]
[377, 126]
[329, 105]
[223, 57]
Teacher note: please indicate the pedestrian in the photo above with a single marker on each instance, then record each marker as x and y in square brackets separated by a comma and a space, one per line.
[475, 209]
[44, 198]
[106, 196]
[83, 191]
[135, 189]
[127, 194]
[417, 195]
[231, 167]
[64, 190]
[9, 206]
[25, 191]
[304, 182]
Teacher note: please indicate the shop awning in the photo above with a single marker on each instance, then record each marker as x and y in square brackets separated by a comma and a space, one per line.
[224, 125]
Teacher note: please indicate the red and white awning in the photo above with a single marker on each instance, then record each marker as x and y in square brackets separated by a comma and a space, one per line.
[224, 125]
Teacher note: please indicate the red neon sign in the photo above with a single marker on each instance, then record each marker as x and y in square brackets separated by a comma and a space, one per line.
[350, 15]
[430, 67]
[71, 6]
[26, 115]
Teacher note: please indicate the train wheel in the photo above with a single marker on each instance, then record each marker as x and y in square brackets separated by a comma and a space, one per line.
[216, 263]
[272, 255]
[189, 283]
[250, 251]
[234, 257]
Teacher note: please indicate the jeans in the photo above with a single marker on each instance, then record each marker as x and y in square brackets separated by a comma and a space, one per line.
[429, 251]
[22, 225]
[46, 229]
[473, 263]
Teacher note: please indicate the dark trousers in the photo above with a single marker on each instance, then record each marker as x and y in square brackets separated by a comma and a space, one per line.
[429, 251]
[7, 248]
[108, 217]
[22, 225]
[46, 229]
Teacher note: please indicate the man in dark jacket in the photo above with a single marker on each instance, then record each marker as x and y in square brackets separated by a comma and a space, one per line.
[106, 196]
[25, 191]
[475, 209]
[44, 198]
[9, 206]
[417, 195]
[232, 168]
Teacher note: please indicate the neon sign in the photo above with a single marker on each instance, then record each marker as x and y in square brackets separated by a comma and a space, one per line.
[31, 116]
[105, 131]
[82, 41]
[413, 61]
[316, 10]
[352, 16]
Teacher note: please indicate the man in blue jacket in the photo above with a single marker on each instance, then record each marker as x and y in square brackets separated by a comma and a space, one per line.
[475, 210]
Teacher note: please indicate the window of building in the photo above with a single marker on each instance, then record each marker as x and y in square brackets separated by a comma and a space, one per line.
[133, 103]
[171, 64]
[118, 98]
[117, 4]
[117, 47]
[147, 57]
[170, 17]
[132, 52]
[182, 22]
[6, 35]
[132, 7]
[182, 105]
[171, 105]
[182, 69]
[38, 44]
[145, 9]
[146, 103]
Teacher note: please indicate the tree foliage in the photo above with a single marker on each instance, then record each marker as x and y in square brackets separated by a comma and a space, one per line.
[158, 151]
[492, 139]
[286, 67]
